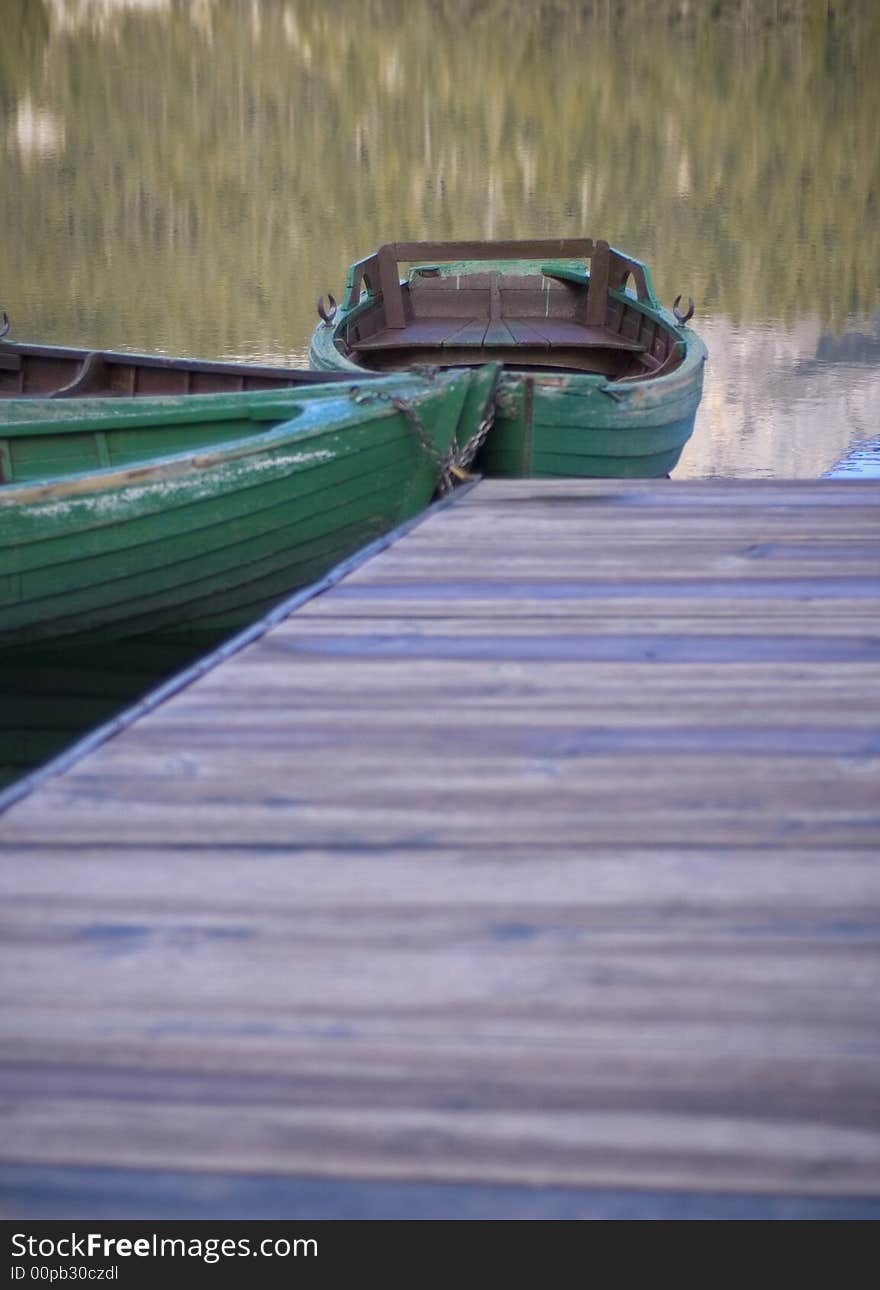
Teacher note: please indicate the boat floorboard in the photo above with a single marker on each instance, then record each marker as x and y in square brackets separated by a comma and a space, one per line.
[531, 871]
[484, 333]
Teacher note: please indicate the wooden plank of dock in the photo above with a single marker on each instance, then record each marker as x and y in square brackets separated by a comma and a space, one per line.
[542, 852]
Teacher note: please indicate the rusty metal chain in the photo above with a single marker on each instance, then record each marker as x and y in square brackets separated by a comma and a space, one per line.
[444, 466]
[465, 457]
[454, 466]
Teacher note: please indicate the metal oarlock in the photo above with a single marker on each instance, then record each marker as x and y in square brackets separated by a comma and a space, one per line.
[323, 314]
[680, 317]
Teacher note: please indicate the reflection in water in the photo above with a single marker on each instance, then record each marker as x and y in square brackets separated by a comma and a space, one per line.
[851, 346]
[34, 130]
[190, 177]
[772, 407]
[51, 696]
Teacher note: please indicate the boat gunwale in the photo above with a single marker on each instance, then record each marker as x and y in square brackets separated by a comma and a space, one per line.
[100, 480]
[695, 351]
[666, 385]
[131, 412]
[167, 362]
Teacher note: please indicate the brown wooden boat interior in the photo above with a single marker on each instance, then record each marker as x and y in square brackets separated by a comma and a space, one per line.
[553, 318]
[42, 371]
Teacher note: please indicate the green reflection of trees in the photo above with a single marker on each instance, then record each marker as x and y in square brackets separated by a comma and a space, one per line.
[25, 31]
[223, 162]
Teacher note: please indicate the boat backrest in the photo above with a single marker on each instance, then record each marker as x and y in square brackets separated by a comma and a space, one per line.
[380, 273]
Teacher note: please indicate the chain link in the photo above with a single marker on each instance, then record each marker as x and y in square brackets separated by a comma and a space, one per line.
[444, 466]
[464, 458]
[452, 467]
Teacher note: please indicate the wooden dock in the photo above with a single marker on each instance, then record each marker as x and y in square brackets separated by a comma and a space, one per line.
[531, 871]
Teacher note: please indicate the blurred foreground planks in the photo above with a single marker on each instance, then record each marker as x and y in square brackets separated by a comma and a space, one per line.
[540, 852]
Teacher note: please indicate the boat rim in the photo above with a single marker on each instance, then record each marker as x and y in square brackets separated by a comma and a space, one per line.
[292, 428]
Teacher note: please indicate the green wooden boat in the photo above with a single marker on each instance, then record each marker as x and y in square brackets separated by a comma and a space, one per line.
[29, 370]
[599, 379]
[193, 513]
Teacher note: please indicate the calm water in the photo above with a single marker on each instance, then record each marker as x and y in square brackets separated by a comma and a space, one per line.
[189, 177]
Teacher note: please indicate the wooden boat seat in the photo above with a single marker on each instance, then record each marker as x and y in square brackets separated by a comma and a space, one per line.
[561, 333]
[492, 329]
[486, 333]
[669, 363]
[424, 331]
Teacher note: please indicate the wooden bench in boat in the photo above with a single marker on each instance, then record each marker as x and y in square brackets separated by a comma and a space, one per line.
[484, 333]
[434, 312]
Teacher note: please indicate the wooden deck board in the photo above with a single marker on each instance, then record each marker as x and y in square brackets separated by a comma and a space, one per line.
[540, 852]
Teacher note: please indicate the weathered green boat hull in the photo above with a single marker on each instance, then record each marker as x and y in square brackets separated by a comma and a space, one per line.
[567, 426]
[565, 423]
[251, 497]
